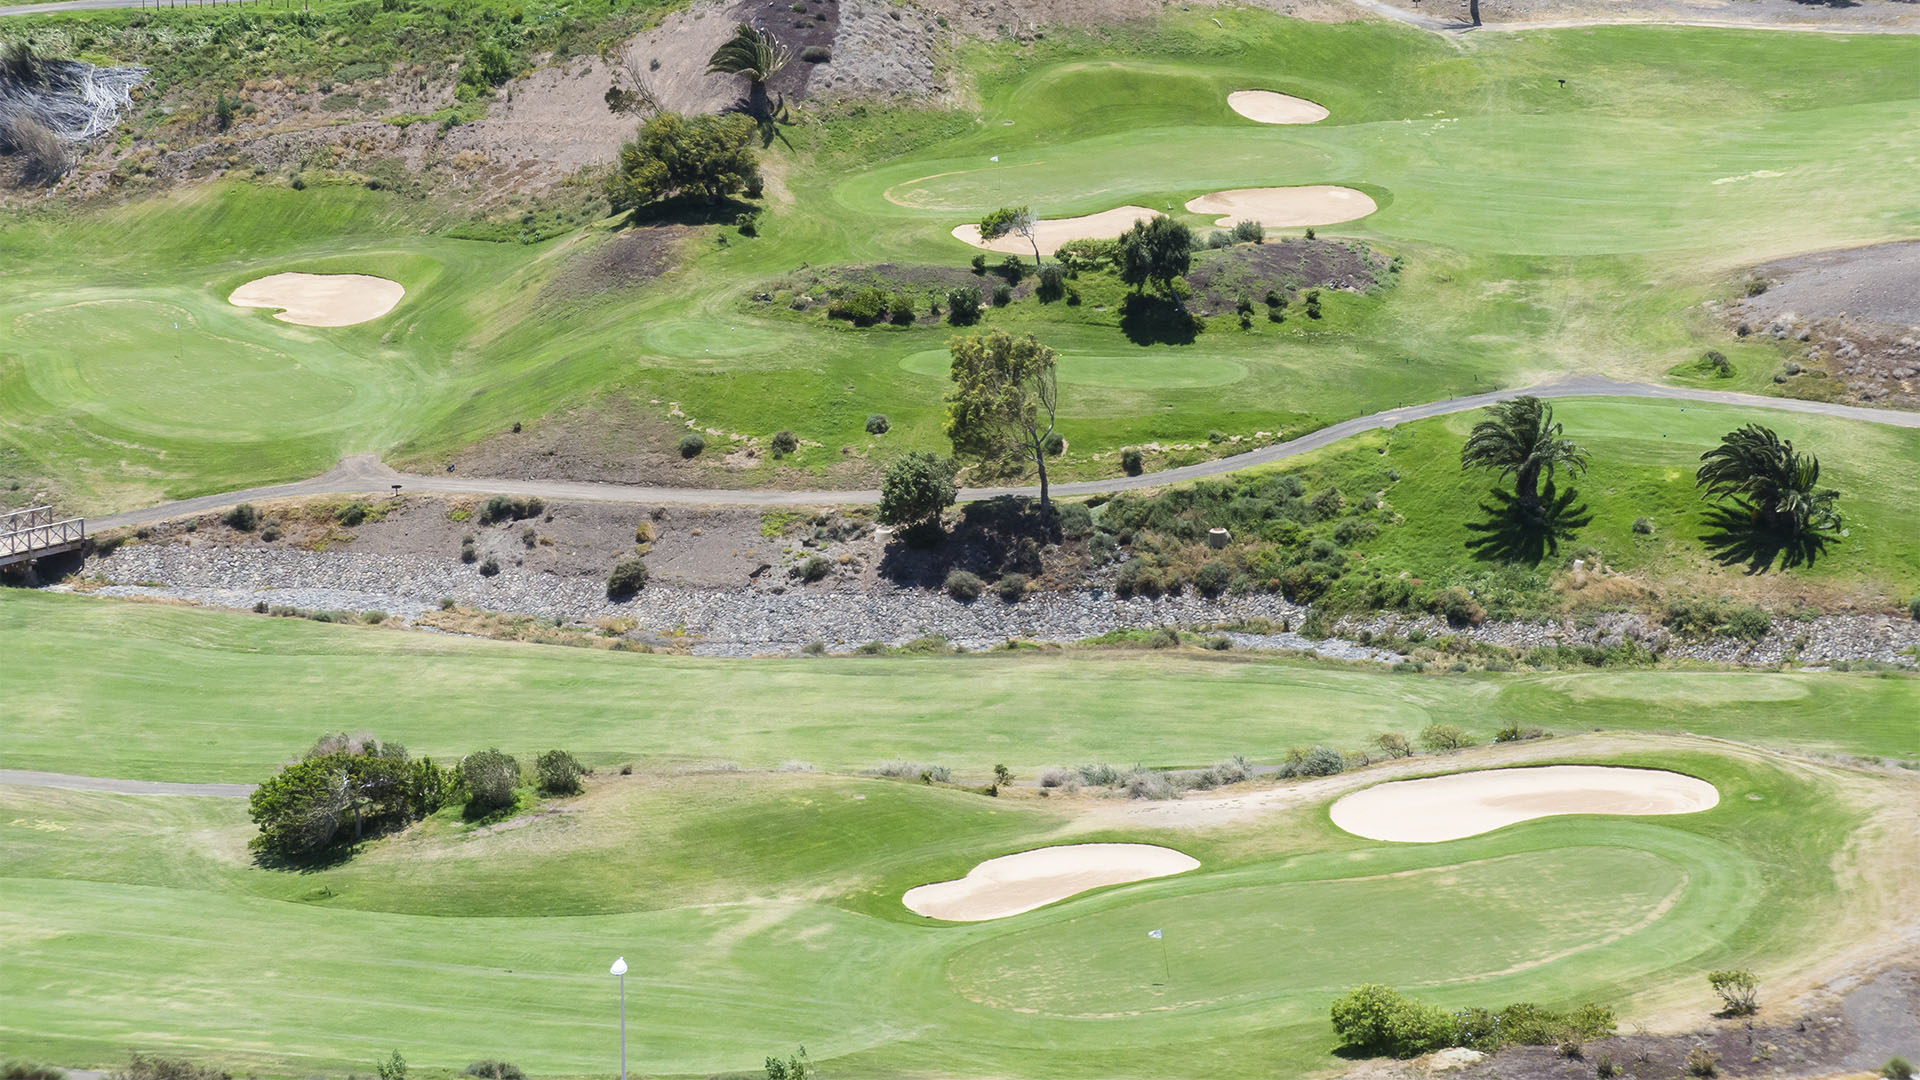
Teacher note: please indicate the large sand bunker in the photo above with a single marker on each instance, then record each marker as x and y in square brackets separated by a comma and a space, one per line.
[1268, 107]
[1284, 207]
[321, 299]
[1466, 804]
[1052, 232]
[1012, 884]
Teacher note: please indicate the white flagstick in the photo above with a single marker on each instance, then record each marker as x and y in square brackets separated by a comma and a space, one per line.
[1165, 967]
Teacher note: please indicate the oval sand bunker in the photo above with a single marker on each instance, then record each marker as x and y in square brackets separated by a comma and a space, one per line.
[1269, 107]
[1466, 804]
[1012, 884]
[1283, 207]
[1052, 232]
[321, 299]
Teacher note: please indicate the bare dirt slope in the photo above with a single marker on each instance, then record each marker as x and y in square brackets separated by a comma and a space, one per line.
[1858, 310]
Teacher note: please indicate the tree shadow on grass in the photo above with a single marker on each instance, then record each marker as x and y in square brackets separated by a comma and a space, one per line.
[1521, 531]
[688, 210]
[1153, 320]
[1737, 535]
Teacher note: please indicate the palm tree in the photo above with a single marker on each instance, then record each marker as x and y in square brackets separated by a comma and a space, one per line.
[1521, 438]
[1775, 484]
[755, 54]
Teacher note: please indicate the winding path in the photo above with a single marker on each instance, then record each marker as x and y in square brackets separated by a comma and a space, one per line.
[365, 473]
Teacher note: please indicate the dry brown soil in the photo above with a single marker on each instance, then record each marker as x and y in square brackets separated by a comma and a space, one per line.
[1857, 310]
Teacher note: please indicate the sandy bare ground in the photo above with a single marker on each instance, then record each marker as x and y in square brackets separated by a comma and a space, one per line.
[1285, 207]
[1449, 807]
[1012, 884]
[1052, 232]
[321, 299]
[1270, 107]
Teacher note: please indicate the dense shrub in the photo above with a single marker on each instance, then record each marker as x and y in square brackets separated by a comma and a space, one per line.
[500, 508]
[964, 586]
[1163, 638]
[143, 1067]
[1739, 990]
[1212, 578]
[1011, 587]
[877, 424]
[21, 1070]
[816, 54]
[1319, 761]
[489, 566]
[559, 773]
[1133, 464]
[1702, 1062]
[1381, 1020]
[490, 778]
[1515, 733]
[1393, 744]
[494, 1070]
[784, 443]
[861, 307]
[1444, 737]
[1249, 232]
[244, 517]
[963, 305]
[1002, 295]
[1052, 285]
[628, 578]
[816, 568]
[692, 444]
[1897, 1068]
[351, 514]
[343, 783]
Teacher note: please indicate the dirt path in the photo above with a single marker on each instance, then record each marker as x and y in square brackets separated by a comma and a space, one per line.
[365, 473]
[1456, 26]
[30, 778]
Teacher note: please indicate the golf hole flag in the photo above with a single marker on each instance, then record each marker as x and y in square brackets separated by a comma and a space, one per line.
[1155, 934]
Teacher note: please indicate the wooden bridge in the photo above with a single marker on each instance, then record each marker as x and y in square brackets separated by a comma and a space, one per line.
[33, 533]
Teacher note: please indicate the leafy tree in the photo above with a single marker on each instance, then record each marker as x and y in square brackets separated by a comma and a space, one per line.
[916, 488]
[1154, 253]
[711, 156]
[797, 1067]
[1018, 220]
[1520, 438]
[1775, 484]
[1005, 393]
[490, 777]
[1739, 990]
[754, 54]
[394, 1068]
[304, 808]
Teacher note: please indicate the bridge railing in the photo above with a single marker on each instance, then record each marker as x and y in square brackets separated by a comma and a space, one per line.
[23, 532]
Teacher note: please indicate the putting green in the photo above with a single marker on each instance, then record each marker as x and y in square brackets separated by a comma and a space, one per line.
[1264, 941]
[1144, 371]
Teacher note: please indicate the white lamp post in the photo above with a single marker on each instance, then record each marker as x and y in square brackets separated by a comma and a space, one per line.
[620, 968]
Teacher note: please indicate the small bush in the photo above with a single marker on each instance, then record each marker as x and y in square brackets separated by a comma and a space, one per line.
[500, 508]
[1148, 784]
[20, 1070]
[629, 576]
[1440, 738]
[1054, 777]
[1133, 464]
[1913, 606]
[494, 1070]
[1011, 587]
[351, 514]
[784, 443]
[1604, 1068]
[964, 586]
[468, 553]
[1749, 623]
[1163, 638]
[1249, 232]
[1897, 1068]
[1380, 1019]
[142, 1067]
[1515, 733]
[816, 568]
[979, 264]
[1321, 761]
[1643, 526]
[1212, 578]
[963, 304]
[490, 778]
[816, 54]
[692, 444]
[862, 307]
[559, 773]
[244, 518]
[877, 424]
[1002, 295]
[816, 647]
[1053, 283]
[489, 567]
[1393, 744]
[1739, 990]
[1702, 1062]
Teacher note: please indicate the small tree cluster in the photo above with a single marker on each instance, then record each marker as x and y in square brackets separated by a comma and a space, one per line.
[707, 156]
[344, 783]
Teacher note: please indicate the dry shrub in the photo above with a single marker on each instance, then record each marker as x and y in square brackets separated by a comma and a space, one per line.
[44, 156]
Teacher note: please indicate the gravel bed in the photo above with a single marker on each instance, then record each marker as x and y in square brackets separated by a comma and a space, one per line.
[757, 620]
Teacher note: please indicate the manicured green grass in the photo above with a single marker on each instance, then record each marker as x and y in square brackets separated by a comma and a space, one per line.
[180, 694]
[760, 912]
[1545, 230]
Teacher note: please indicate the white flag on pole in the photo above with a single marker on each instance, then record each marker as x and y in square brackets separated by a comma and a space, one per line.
[1153, 933]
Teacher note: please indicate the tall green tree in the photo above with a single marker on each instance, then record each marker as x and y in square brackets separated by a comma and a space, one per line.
[916, 488]
[672, 154]
[1018, 220]
[754, 54]
[1520, 438]
[1777, 486]
[1003, 402]
[1154, 253]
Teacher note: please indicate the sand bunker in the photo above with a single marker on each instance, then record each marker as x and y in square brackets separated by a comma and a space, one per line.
[1052, 232]
[321, 299]
[1283, 207]
[1267, 107]
[1466, 804]
[1012, 884]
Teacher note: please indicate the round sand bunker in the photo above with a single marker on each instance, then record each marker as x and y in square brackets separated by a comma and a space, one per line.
[1268, 107]
[1284, 207]
[1466, 804]
[321, 299]
[1052, 232]
[1012, 884]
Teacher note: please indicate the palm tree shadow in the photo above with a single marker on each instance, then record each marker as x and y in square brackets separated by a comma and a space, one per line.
[1737, 535]
[1522, 531]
